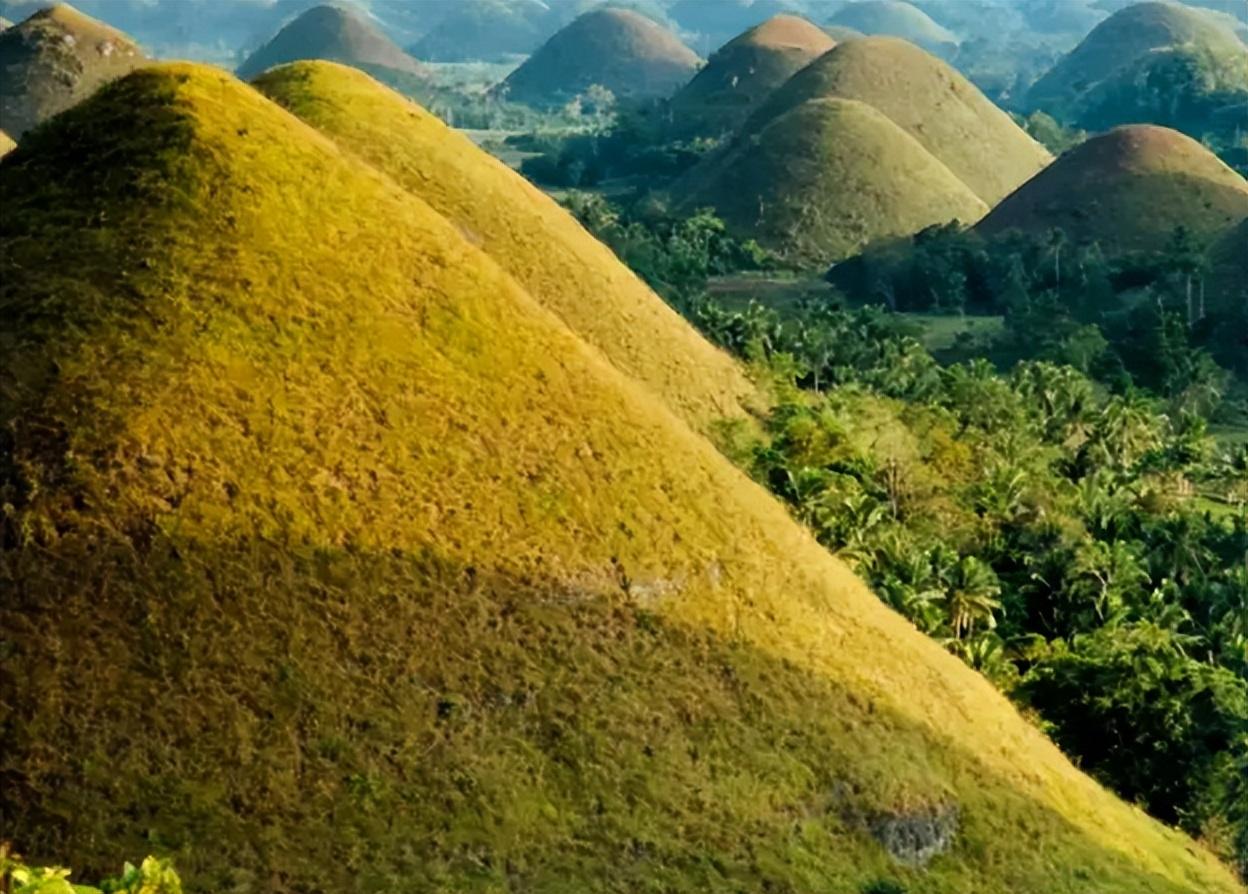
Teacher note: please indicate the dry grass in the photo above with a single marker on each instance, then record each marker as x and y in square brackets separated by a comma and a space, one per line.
[6, 144]
[333, 561]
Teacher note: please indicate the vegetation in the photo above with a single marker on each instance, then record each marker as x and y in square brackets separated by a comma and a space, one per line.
[364, 572]
[152, 876]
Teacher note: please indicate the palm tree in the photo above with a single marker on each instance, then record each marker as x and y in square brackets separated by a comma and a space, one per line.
[970, 597]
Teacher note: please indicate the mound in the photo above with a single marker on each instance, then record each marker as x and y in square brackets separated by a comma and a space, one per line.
[927, 99]
[52, 60]
[897, 18]
[1123, 41]
[743, 72]
[331, 32]
[323, 539]
[714, 24]
[5, 23]
[618, 49]
[524, 230]
[488, 30]
[823, 180]
[1128, 190]
[7, 144]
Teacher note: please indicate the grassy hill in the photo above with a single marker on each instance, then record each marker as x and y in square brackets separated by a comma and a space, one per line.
[743, 72]
[821, 181]
[897, 18]
[927, 99]
[1128, 41]
[7, 144]
[489, 30]
[332, 32]
[522, 229]
[333, 561]
[52, 60]
[619, 49]
[1128, 190]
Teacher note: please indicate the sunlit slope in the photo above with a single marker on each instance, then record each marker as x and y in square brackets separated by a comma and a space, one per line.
[333, 561]
[6, 144]
[525, 231]
[1128, 190]
[822, 181]
[743, 72]
[926, 98]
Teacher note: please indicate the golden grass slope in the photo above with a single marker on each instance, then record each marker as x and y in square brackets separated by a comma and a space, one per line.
[52, 60]
[7, 144]
[629, 54]
[331, 32]
[333, 561]
[743, 72]
[1128, 190]
[525, 231]
[926, 98]
[825, 179]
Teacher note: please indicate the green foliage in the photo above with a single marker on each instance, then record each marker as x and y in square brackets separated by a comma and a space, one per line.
[1051, 134]
[152, 876]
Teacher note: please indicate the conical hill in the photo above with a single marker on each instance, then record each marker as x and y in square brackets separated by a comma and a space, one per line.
[926, 98]
[332, 561]
[827, 178]
[896, 18]
[525, 231]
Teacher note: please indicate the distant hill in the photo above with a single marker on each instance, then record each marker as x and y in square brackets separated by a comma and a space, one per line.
[5, 23]
[336, 561]
[488, 30]
[1128, 190]
[526, 232]
[926, 98]
[820, 182]
[711, 25]
[1148, 62]
[339, 33]
[52, 60]
[744, 72]
[897, 18]
[619, 49]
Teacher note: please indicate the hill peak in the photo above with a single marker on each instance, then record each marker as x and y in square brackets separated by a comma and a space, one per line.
[896, 18]
[784, 32]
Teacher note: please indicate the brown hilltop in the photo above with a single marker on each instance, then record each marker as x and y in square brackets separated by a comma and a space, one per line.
[926, 98]
[1127, 190]
[52, 60]
[619, 49]
[744, 72]
[335, 33]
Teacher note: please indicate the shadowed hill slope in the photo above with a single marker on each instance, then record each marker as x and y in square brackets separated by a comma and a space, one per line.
[619, 49]
[331, 32]
[743, 72]
[52, 60]
[525, 231]
[896, 18]
[1121, 42]
[823, 180]
[927, 99]
[1228, 268]
[1128, 189]
[332, 561]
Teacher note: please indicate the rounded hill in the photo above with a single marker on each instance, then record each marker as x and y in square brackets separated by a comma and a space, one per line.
[926, 98]
[744, 72]
[489, 30]
[1128, 190]
[619, 49]
[825, 179]
[337, 33]
[1124, 41]
[896, 18]
[525, 231]
[7, 144]
[52, 60]
[327, 539]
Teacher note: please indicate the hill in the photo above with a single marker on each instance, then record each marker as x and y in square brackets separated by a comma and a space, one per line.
[1081, 87]
[52, 60]
[897, 18]
[522, 229]
[332, 32]
[489, 30]
[7, 144]
[619, 49]
[926, 98]
[823, 180]
[1128, 190]
[743, 72]
[324, 540]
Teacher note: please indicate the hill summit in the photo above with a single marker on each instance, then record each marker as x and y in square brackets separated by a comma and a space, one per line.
[744, 72]
[331, 32]
[52, 60]
[629, 54]
[1127, 190]
[896, 18]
